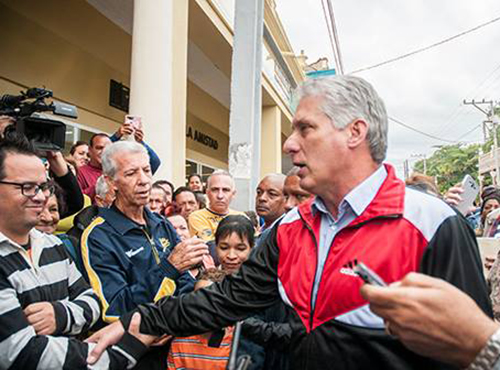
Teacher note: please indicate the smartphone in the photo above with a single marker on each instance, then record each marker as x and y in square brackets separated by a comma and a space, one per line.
[471, 190]
[368, 276]
[135, 121]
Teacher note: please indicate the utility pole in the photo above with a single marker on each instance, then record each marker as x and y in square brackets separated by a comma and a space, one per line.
[406, 169]
[490, 119]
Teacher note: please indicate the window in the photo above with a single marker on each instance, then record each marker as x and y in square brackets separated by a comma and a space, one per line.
[204, 170]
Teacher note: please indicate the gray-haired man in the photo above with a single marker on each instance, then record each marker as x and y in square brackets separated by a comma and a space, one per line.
[133, 256]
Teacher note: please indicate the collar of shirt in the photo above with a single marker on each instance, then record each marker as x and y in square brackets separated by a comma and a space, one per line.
[272, 225]
[357, 200]
[123, 224]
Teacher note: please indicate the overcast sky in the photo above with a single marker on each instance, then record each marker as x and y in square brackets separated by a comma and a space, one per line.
[426, 90]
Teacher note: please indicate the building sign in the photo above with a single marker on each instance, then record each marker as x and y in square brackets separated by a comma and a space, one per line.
[202, 138]
[205, 139]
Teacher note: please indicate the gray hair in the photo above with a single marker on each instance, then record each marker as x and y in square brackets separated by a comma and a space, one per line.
[221, 173]
[275, 177]
[112, 150]
[101, 186]
[346, 98]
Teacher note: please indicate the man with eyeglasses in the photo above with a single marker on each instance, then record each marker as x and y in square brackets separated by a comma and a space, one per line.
[43, 298]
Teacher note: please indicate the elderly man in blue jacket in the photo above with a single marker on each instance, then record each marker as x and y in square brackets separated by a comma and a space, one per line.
[131, 255]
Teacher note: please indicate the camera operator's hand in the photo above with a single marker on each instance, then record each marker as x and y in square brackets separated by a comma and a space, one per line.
[139, 135]
[188, 253]
[5, 121]
[125, 129]
[58, 165]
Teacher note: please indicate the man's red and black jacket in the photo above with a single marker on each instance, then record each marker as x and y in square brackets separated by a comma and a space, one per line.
[402, 230]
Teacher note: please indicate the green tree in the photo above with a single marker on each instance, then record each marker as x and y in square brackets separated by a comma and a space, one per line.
[450, 164]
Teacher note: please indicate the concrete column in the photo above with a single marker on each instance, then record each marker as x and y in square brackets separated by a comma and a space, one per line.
[246, 101]
[271, 141]
[158, 80]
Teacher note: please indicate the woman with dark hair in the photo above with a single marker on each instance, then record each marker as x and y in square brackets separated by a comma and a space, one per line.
[51, 214]
[49, 218]
[488, 225]
[79, 152]
[234, 239]
[195, 183]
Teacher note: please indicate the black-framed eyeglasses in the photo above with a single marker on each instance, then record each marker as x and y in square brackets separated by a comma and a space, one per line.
[30, 190]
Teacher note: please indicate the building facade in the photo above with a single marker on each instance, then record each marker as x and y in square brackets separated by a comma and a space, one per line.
[168, 61]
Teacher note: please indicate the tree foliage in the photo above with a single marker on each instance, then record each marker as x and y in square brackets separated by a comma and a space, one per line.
[450, 164]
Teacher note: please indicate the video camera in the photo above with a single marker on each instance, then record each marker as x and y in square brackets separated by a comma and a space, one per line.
[46, 134]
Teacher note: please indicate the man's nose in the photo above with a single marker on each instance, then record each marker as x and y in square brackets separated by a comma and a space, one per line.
[144, 177]
[40, 197]
[290, 144]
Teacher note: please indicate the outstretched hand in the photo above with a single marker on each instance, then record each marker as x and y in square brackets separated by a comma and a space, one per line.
[432, 317]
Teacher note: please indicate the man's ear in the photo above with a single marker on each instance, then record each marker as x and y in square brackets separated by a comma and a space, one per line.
[358, 131]
[111, 182]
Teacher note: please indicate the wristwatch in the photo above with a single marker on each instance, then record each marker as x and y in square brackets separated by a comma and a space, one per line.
[489, 355]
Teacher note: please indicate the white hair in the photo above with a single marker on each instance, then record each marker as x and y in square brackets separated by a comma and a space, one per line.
[112, 150]
[101, 187]
[275, 177]
[346, 98]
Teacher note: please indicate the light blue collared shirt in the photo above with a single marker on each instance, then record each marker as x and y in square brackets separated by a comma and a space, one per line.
[352, 206]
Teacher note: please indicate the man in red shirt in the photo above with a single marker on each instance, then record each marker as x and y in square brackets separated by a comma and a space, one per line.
[88, 174]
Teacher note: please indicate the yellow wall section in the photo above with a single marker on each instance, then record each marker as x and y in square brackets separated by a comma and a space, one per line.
[210, 117]
[33, 55]
[270, 161]
[206, 108]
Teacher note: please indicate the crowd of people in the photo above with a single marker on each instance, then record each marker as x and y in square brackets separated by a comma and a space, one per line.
[101, 266]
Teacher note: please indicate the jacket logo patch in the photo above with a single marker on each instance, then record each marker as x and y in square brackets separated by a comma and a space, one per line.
[131, 253]
[348, 271]
[207, 233]
[165, 243]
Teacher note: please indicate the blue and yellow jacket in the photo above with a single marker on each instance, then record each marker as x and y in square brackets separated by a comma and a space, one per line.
[127, 263]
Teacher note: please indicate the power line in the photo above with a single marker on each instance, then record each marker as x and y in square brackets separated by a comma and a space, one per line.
[330, 33]
[426, 47]
[469, 132]
[459, 110]
[421, 132]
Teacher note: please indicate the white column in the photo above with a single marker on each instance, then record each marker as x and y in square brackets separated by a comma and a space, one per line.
[246, 101]
[151, 78]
